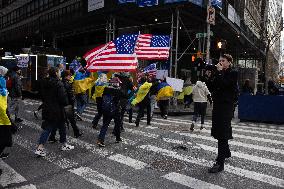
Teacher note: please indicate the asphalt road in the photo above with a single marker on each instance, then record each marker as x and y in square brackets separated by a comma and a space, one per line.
[163, 155]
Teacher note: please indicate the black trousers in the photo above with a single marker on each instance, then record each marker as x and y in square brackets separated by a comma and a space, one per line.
[223, 150]
[164, 107]
[122, 112]
[142, 107]
[99, 101]
[199, 109]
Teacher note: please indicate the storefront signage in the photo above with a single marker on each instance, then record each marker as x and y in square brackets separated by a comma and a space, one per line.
[23, 61]
[95, 4]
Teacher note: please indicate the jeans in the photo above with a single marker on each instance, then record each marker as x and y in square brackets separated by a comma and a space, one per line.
[153, 103]
[106, 121]
[99, 101]
[52, 127]
[15, 105]
[164, 107]
[81, 100]
[199, 109]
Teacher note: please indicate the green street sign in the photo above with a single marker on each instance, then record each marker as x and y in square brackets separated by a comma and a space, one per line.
[201, 35]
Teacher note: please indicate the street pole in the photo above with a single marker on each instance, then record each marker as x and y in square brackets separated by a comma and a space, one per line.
[208, 36]
[176, 51]
[171, 41]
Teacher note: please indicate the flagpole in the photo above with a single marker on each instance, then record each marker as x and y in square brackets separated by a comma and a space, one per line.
[208, 36]
[171, 45]
[176, 56]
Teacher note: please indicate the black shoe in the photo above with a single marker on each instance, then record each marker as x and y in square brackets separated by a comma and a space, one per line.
[130, 121]
[166, 117]
[4, 155]
[78, 135]
[137, 124]
[118, 140]
[1, 171]
[95, 126]
[192, 127]
[100, 143]
[148, 123]
[226, 156]
[216, 168]
[122, 129]
[18, 120]
[52, 140]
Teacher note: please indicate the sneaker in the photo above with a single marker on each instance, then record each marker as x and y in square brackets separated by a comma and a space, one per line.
[130, 121]
[66, 147]
[166, 117]
[36, 114]
[148, 123]
[100, 143]
[4, 155]
[202, 127]
[137, 124]
[95, 127]
[78, 117]
[52, 140]
[40, 152]
[216, 168]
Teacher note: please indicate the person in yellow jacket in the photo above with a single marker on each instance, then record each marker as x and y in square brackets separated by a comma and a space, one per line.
[100, 83]
[5, 122]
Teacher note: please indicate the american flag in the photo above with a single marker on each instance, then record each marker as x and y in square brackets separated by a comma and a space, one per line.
[150, 70]
[117, 55]
[149, 47]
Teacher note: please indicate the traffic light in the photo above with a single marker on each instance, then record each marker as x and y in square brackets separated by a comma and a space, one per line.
[192, 58]
[222, 44]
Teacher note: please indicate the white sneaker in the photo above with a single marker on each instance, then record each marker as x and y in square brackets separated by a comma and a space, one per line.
[66, 147]
[40, 152]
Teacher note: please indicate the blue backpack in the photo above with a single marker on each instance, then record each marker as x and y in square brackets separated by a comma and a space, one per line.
[108, 106]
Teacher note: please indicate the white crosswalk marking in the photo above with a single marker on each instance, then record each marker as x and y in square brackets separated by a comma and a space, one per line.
[30, 186]
[9, 175]
[128, 161]
[98, 179]
[190, 182]
[202, 162]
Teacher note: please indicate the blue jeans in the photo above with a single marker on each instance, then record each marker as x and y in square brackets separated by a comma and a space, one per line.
[81, 100]
[106, 121]
[51, 126]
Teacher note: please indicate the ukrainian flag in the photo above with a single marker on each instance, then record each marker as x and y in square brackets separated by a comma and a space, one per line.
[4, 120]
[164, 91]
[82, 82]
[101, 83]
[141, 93]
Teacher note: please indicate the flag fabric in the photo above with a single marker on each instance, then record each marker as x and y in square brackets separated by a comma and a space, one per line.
[75, 65]
[100, 83]
[147, 3]
[117, 55]
[141, 93]
[152, 47]
[165, 91]
[4, 120]
[82, 82]
[175, 1]
[151, 70]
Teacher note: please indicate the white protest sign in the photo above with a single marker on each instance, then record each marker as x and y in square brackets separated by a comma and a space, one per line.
[176, 84]
[22, 61]
[162, 74]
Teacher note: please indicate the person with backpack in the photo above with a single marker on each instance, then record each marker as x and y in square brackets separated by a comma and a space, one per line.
[200, 95]
[225, 84]
[15, 93]
[111, 110]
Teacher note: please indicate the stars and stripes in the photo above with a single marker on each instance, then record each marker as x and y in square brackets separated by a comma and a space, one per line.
[149, 47]
[122, 53]
[116, 55]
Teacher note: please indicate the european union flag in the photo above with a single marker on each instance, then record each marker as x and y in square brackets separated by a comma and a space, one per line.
[147, 3]
[126, 1]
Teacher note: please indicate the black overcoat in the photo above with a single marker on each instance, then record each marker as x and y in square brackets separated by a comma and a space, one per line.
[225, 85]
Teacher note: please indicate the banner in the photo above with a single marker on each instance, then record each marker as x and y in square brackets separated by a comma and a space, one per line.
[162, 74]
[147, 3]
[22, 61]
[95, 4]
[176, 84]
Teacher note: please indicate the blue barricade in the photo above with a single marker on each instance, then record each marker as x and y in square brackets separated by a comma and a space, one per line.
[263, 108]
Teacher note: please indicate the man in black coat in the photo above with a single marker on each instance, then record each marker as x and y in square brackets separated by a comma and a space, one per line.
[224, 92]
[54, 99]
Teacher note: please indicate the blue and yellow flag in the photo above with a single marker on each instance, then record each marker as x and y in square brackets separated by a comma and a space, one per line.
[101, 83]
[82, 82]
[141, 93]
[164, 91]
[4, 120]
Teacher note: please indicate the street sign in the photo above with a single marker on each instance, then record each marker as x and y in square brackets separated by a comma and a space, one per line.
[201, 35]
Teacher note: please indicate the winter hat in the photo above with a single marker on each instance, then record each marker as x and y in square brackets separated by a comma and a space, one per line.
[3, 71]
[115, 82]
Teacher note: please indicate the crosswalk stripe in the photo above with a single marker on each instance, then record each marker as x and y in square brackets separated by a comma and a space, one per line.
[30, 186]
[190, 182]
[246, 156]
[98, 178]
[64, 163]
[245, 145]
[202, 162]
[9, 175]
[128, 161]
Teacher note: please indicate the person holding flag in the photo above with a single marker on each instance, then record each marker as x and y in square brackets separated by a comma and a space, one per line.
[165, 91]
